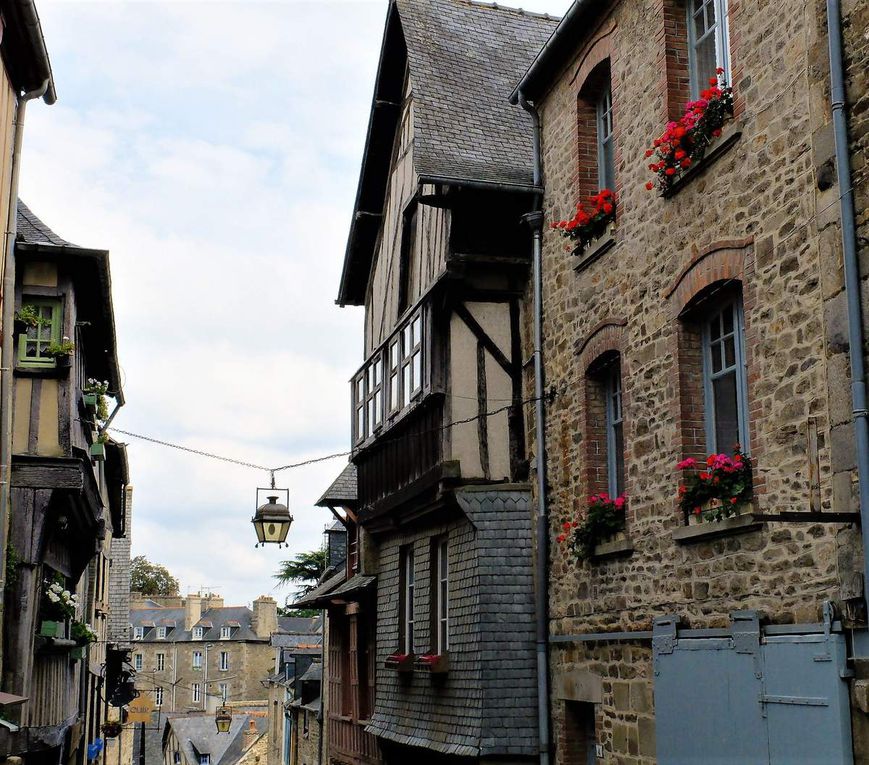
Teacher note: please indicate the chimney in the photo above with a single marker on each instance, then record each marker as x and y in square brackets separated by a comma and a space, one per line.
[265, 616]
[250, 735]
[192, 611]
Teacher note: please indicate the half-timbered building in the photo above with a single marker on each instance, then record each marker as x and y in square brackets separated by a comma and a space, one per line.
[439, 257]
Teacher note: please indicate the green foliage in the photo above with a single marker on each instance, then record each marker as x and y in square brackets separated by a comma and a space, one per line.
[302, 613]
[717, 489]
[99, 388]
[151, 578]
[82, 633]
[13, 561]
[29, 314]
[304, 570]
[63, 348]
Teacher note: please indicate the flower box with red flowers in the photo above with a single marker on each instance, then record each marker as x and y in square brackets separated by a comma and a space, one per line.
[604, 519]
[433, 663]
[685, 142]
[400, 662]
[717, 489]
[592, 220]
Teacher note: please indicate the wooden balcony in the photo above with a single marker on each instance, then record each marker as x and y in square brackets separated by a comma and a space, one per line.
[349, 742]
[54, 694]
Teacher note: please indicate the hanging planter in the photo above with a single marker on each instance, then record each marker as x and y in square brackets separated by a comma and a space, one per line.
[112, 729]
[52, 629]
[98, 451]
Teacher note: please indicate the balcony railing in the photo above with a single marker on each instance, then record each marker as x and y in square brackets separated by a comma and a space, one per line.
[348, 740]
[392, 378]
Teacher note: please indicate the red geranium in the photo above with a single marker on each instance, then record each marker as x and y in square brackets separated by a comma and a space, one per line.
[590, 221]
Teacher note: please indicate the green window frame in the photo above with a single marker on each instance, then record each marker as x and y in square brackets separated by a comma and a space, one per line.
[33, 343]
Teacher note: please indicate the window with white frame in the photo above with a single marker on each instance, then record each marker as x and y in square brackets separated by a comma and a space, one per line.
[161, 633]
[724, 379]
[158, 696]
[225, 633]
[615, 442]
[441, 595]
[408, 587]
[708, 42]
[204, 759]
[224, 660]
[197, 660]
[176, 757]
[161, 662]
[138, 633]
[197, 633]
[197, 693]
[138, 661]
[411, 359]
[606, 152]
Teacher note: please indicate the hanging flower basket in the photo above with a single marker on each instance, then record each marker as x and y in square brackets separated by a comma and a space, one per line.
[685, 142]
[592, 220]
[111, 729]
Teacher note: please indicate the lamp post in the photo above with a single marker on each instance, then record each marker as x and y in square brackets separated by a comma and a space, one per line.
[272, 520]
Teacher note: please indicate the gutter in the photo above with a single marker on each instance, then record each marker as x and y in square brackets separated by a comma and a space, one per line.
[33, 31]
[7, 345]
[541, 606]
[550, 48]
[851, 268]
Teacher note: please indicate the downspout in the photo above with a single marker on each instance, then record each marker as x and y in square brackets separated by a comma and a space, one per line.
[851, 268]
[7, 345]
[535, 221]
[322, 720]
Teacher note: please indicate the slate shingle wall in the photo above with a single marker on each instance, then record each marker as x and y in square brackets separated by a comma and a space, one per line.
[487, 703]
[119, 581]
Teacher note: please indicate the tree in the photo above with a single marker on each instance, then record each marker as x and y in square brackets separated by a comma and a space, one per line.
[304, 570]
[151, 578]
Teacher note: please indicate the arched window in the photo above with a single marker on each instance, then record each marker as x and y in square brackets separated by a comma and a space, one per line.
[595, 132]
[605, 425]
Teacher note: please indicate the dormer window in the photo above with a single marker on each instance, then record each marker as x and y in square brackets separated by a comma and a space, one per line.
[161, 633]
[225, 633]
[197, 633]
[138, 633]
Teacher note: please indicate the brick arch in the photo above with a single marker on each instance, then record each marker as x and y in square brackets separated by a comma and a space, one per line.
[599, 51]
[608, 335]
[720, 261]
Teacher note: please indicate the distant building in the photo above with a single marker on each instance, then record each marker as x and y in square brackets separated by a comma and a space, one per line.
[194, 740]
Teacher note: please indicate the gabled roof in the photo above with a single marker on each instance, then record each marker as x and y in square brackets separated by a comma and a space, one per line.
[342, 491]
[463, 60]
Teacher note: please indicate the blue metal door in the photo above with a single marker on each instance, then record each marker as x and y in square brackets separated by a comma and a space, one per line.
[750, 696]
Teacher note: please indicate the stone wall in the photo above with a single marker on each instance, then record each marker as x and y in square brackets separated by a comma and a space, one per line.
[764, 217]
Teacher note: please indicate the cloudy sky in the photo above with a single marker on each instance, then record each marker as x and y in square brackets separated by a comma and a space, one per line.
[214, 149]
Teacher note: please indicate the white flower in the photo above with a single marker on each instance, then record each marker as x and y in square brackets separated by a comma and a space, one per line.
[56, 588]
[66, 594]
[53, 598]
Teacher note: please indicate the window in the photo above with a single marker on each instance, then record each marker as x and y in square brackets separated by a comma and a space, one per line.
[369, 399]
[204, 759]
[223, 690]
[161, 662]
[724, 381]
[197, 693]
[411, 359]
[224, 660]
[137, 662]
[158, 697]
[225, 633]
[33, 344]
[708, 42]
[606, 152]
[441, 596]
[615, 443]
[407, 262]
[197, 633]
[197, 660]
[406, 576]
[138, 633]
[305, 724]
[161, 633]
[176, 757]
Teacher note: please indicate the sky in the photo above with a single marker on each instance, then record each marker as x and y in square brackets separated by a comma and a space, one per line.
[214, 149]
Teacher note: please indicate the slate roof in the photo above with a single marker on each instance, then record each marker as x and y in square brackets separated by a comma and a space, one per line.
[212, 620]
[299, 625]
[197, 735]
[313, 598]
[464, 58]
[342, 491]
[33, 231]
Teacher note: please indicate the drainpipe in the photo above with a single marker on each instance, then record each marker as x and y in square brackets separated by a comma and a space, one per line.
[535, 221]
[852, 270]
[7, 344]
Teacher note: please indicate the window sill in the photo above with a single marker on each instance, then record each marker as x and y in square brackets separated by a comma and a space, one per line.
[721, 147]
[615, 548]
[604, 245]
[49, 372]
[703, 532]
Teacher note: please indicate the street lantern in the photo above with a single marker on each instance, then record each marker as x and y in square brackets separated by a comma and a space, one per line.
[223, 720]
[272, 520]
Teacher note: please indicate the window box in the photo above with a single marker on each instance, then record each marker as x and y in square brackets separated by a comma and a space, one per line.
[604, 246]
[63, 361]
[52, 629]
[77, 653]
[619, 545]
[718, 150]
[90, 401]
[433, 663]
[705, 531]
[98, 452]
[400, 662]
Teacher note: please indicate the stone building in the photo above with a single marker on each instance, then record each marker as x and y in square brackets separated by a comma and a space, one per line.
[708, 315]
[192, 739]
[192, 657]
[438, 428]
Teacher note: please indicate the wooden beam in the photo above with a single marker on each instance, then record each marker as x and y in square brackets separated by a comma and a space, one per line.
[465, 315]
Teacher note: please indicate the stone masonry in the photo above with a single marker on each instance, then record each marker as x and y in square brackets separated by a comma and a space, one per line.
[763, 216]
